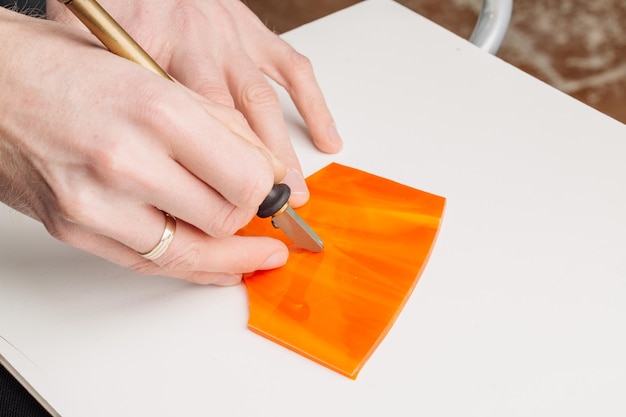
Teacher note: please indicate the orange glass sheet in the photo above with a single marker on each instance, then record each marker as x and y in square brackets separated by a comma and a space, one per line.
[335, 307]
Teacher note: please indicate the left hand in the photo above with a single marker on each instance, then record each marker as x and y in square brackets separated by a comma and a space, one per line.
[221, 50]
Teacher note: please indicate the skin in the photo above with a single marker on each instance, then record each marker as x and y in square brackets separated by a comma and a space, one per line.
[221, 50]
[96, 147]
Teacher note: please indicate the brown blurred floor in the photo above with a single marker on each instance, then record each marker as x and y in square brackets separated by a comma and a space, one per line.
[577, 46]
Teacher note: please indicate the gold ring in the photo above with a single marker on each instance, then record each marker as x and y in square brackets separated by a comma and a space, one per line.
[166, 239]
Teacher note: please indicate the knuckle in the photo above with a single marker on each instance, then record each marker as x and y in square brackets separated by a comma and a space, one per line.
[184, 258]
[66, 231]
[58, 228]
[231, 220]
[145, 267]
[231, 117]
[245, 262]
[253, 192]
[153, 105]
[195, 277]
[236, 118]
[215, 93]
[299, 63]
[74, 208]
[246, 191]
[186, 15]
[259, 94]
[111, 166]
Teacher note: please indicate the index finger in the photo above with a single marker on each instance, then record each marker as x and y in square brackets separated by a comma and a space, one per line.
[294, 72]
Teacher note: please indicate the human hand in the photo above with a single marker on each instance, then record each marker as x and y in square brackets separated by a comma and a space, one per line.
[221, 50]
[91, 144]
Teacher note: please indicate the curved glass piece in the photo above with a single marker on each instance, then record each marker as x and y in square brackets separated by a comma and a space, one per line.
[336, 306]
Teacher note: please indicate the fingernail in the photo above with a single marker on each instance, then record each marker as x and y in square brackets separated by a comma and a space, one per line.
[275, 260]
[299, 190]
[333, 135]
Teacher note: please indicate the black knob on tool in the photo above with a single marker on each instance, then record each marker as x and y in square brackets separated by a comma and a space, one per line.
[275, 200]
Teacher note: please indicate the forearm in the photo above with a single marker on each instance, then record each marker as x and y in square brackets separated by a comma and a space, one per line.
[14, 166]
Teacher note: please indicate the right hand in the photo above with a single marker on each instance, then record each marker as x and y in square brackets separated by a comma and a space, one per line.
[221, 50]
[94, 147]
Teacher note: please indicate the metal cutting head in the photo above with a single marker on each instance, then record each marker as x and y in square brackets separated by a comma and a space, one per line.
[286, 219]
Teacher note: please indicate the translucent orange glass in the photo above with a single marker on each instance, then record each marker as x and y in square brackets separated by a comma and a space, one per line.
[336, 306]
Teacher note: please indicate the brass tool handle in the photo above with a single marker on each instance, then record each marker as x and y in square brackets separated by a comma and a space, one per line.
[111, 34]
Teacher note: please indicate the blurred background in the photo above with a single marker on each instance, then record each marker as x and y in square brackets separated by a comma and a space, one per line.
[577, 46]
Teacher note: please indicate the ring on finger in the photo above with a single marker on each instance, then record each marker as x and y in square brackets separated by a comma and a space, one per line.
[166, 239]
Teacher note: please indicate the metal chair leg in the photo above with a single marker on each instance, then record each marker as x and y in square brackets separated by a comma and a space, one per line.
[492, 25]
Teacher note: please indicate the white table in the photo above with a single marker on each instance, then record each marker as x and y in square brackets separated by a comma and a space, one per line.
[520, 311]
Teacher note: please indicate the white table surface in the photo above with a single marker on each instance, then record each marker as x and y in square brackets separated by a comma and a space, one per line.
[520, 311]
